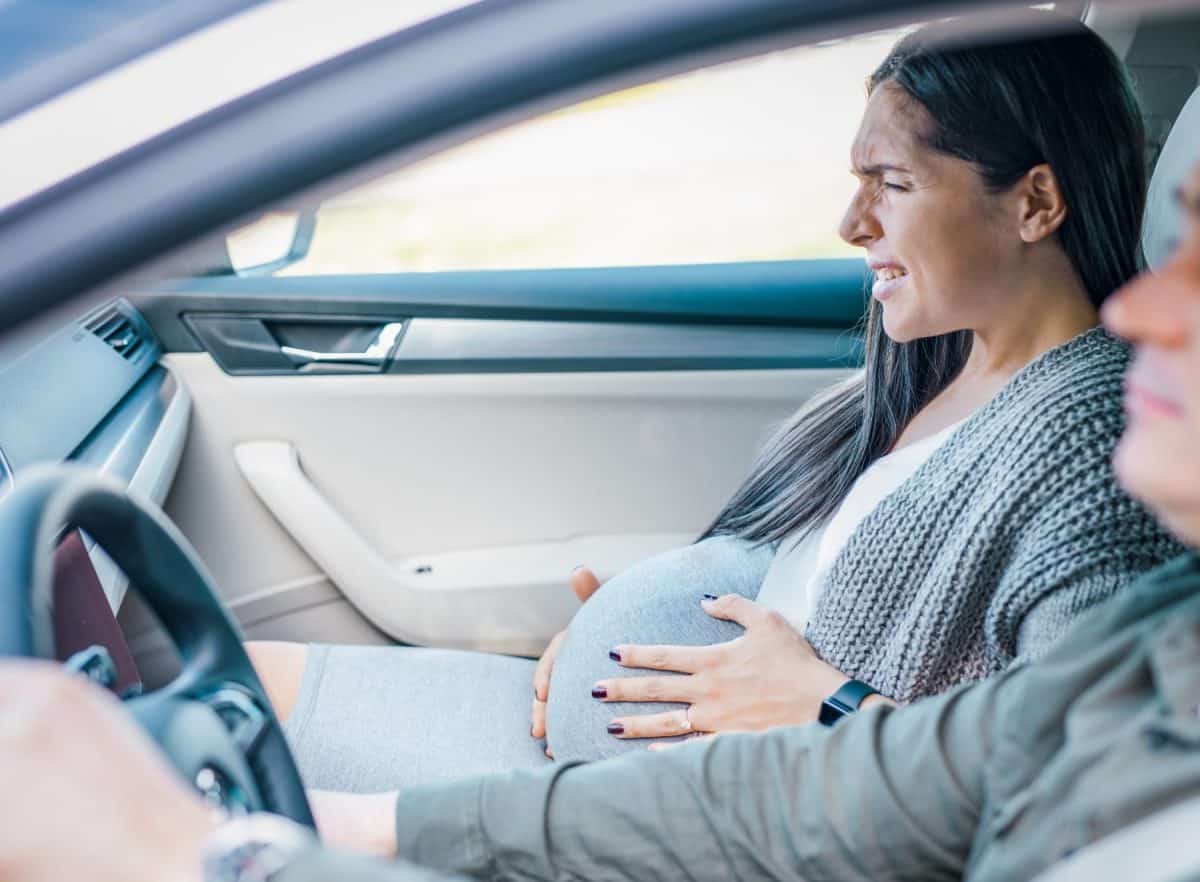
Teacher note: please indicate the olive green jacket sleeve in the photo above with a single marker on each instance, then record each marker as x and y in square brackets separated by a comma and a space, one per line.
[881, 795]
[320, 865]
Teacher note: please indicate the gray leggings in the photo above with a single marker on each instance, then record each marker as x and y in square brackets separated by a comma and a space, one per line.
[377, 718]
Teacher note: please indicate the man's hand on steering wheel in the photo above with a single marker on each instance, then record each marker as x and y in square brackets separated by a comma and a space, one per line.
[89, 794]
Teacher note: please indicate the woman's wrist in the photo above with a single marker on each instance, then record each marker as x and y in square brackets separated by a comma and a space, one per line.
[847, 697]
[825, 682]
[831, 680]
[876, 700]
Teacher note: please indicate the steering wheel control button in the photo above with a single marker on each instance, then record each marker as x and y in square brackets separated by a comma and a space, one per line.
[96, 664]
[220, 792]
[241, 715]
[206, 781]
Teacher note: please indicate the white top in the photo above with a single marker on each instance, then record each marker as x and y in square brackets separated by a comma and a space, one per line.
[797, 575]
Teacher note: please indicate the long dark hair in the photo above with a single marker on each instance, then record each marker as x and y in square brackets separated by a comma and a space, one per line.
[1004, 106]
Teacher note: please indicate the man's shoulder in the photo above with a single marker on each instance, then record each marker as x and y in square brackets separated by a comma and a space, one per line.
[1174, 581]
[1168, 590]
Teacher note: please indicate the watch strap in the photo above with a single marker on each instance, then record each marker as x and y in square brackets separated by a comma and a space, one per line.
[846, 700]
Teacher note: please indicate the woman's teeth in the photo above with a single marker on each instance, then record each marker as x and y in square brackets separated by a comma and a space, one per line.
[885, 281]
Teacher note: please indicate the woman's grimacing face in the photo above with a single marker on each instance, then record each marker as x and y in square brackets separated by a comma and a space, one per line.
[1158, 458]
[943, 249]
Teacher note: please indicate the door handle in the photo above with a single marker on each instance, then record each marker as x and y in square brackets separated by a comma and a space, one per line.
[373, 356]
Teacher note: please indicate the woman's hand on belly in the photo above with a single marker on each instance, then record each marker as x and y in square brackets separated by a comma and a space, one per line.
[584, 583]
[770, 676]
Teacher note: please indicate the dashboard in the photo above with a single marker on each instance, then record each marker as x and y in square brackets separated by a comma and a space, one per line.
[93, 393]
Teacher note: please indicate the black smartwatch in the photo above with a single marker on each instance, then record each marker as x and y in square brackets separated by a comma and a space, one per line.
[845, 701]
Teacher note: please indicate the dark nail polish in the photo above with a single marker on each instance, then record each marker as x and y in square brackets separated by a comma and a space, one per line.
[599, 692]
[616, 729]
[614, 655]
[710, 597]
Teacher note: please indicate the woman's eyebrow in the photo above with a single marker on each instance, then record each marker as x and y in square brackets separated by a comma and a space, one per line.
[879, 168]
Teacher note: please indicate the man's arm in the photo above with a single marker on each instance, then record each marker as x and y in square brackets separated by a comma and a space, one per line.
[320, 865]
[889, 793]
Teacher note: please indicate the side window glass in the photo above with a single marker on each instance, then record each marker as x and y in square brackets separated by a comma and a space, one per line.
[745, 161]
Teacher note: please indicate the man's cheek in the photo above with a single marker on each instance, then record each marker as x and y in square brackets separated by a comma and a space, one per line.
[1190, 375]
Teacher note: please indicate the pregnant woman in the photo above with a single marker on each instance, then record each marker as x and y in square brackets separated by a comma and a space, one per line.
[948, 511]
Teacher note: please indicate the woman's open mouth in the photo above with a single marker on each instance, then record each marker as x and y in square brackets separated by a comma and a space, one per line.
[887, 280]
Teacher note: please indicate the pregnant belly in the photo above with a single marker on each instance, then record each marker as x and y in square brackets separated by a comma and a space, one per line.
[656, 601]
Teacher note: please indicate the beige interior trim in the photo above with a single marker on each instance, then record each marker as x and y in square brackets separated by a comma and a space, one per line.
[498, 480]
[499, 598]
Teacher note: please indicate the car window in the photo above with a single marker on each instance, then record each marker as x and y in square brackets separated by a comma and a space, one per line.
[745, 161]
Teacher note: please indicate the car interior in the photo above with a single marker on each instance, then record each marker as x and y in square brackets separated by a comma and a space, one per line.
[420, 453]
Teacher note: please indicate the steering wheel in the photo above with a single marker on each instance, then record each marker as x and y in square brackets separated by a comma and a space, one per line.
[213, 721]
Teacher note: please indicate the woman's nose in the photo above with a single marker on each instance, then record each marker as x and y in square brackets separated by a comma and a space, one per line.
[858, 227]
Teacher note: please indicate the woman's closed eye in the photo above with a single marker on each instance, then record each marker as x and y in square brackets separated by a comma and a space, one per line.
[893, 185]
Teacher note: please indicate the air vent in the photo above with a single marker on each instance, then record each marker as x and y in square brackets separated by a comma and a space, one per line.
[120, 327]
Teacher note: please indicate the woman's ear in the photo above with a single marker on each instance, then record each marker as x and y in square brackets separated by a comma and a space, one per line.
[1042, 206]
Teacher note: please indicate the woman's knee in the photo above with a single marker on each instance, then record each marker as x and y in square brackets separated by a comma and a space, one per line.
[280, 667]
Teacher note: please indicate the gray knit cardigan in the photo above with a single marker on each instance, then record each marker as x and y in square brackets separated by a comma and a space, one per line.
[997, 543]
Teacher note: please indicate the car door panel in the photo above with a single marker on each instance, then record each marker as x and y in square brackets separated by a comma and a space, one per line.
[446, 493]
